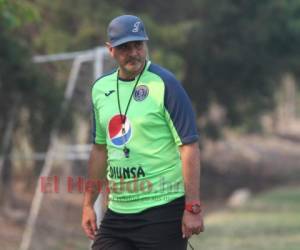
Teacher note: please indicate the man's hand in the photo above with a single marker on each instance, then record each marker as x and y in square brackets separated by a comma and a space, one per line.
[96, 171]
[191, 224]
[89, 223]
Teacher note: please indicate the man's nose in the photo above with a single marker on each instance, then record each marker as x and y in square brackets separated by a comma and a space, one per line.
[132, 50]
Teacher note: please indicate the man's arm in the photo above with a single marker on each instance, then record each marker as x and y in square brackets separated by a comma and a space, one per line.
[96, 171]
[190, 157]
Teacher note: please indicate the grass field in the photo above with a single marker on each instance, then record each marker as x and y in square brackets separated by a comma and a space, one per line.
[271, 221]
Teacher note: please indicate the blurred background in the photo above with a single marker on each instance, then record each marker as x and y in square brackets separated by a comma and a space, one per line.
[239, 61]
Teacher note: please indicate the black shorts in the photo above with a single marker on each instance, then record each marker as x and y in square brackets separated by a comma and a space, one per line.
[157, 228]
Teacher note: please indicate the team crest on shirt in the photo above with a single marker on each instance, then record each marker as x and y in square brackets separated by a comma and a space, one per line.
[140, 93]
[115, 130]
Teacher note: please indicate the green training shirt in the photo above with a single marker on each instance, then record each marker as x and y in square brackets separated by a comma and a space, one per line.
[159, 119]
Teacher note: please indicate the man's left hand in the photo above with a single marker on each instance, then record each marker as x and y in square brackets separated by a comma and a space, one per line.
[191, 224]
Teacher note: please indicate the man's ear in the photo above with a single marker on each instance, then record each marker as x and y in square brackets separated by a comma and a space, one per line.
[110, 48]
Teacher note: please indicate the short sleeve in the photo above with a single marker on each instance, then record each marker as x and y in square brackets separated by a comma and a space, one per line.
[98, 134]
[180, 114]
[178, 108]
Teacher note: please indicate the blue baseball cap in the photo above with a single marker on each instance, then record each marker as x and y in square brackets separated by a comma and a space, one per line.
[126, 28]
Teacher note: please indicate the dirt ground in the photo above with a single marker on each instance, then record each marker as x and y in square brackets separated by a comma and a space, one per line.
[57, 227]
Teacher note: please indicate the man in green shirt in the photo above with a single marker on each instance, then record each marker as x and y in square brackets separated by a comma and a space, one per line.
[146, 146]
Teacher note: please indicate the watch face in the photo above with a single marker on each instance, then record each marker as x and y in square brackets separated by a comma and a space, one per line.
[196, 209]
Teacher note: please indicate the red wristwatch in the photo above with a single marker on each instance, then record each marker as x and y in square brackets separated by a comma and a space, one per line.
[193, 207]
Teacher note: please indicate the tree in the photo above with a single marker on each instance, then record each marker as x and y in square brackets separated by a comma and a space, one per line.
[22, 86]
[237, 52]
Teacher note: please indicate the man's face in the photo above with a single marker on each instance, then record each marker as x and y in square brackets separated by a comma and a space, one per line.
[130, 56]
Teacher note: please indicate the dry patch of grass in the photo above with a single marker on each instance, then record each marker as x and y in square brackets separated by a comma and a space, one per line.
[270, 221]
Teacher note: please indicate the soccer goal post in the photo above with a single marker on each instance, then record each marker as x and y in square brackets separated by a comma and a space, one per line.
[98, 61]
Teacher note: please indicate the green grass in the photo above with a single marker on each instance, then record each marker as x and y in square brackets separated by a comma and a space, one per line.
[271, 221]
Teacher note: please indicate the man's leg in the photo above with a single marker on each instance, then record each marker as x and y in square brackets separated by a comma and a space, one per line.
[166, 236]
[112, 244]
[110, 235]
[107, 242]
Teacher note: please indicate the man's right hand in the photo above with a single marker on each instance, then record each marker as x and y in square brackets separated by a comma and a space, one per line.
[89, 223]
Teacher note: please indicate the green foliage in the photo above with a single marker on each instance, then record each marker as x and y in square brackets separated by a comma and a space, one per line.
[16, 13]
[237, 52]
[71, 25]
[19, 78]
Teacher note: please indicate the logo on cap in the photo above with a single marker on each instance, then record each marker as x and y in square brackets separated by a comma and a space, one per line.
[140, 93]
[115, 130]
[136, 26]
